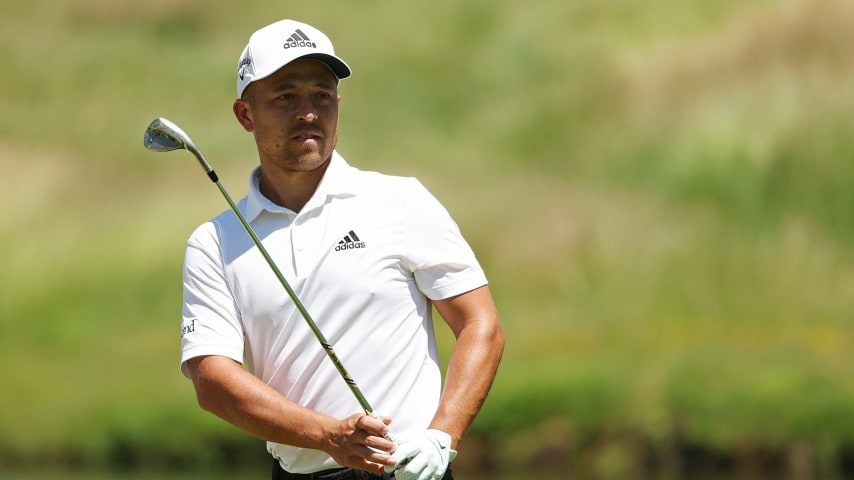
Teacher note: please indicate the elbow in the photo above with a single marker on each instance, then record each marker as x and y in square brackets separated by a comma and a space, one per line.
[498, 340]
[205, 399]
[491, 336]
[207, 388]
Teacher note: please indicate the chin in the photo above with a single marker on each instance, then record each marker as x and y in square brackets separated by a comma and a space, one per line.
[308, 162]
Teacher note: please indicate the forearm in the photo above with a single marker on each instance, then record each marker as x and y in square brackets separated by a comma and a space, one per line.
[226, 390]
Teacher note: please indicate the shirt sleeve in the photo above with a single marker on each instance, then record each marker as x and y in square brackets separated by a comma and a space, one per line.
[211, 322]
[442, 262]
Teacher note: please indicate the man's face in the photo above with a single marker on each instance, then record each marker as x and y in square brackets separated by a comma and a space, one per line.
[293, 114]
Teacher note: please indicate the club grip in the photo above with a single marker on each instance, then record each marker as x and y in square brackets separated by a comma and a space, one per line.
[388, 436]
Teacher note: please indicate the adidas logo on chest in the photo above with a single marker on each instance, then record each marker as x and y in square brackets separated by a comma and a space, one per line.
[349, 242]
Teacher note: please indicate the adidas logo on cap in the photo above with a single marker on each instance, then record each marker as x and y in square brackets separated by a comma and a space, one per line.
[299, 39]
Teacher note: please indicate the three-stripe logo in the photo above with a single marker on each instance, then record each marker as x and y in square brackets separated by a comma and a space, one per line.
[299, 39]
[350, 241]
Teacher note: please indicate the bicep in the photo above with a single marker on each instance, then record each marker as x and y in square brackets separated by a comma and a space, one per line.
[212, 375]
[475, 307]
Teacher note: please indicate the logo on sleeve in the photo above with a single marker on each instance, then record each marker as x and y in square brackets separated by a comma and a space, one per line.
[188, 328]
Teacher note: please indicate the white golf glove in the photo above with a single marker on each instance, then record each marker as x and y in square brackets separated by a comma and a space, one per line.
[423, 457]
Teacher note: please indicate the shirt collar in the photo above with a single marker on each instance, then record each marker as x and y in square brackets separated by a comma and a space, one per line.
[335, 183]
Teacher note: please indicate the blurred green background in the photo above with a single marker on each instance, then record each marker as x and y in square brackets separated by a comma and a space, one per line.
[661, 192]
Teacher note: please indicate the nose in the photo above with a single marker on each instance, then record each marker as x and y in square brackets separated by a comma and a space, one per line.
[305, 109]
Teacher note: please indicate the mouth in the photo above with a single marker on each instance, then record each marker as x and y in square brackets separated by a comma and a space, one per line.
[306, 136]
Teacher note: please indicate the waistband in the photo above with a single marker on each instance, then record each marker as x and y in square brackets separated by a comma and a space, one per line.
[333, 474]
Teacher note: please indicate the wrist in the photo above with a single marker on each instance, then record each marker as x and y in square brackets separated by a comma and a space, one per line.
[327, 435]
[454, 438]
[443, 442]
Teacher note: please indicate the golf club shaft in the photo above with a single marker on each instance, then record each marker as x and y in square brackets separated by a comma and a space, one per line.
[330, 352]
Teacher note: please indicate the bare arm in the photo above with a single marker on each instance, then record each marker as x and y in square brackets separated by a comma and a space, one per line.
[473, 318]
[226, 390]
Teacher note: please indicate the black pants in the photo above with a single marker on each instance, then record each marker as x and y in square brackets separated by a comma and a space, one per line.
[337, 474]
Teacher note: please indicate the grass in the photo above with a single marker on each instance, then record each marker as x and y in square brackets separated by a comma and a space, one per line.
[659, 191]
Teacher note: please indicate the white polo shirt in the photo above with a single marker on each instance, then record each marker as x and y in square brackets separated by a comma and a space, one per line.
[364, 256]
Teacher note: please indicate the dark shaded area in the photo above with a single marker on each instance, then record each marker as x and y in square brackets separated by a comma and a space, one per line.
[618, 454]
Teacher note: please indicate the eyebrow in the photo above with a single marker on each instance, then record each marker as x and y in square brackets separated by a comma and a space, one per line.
[288, 83]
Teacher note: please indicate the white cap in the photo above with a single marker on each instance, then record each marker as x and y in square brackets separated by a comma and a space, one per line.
[279, 44]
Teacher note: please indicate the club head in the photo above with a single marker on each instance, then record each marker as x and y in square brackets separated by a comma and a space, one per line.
[164, 136]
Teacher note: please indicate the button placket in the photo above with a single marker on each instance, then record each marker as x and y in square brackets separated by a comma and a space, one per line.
[297, 245]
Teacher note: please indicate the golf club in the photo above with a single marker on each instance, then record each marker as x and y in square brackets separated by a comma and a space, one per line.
[164, 136]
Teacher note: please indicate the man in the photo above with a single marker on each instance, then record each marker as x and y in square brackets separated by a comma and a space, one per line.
[368, 255]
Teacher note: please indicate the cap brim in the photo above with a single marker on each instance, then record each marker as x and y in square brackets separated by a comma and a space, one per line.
[338, 67]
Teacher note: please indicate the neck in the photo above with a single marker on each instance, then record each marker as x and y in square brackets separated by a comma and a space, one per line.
[290, 188]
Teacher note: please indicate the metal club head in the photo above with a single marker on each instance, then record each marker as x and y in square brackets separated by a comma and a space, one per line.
[164, 136]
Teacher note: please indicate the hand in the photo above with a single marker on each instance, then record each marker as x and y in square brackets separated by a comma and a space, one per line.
[358, 442]
[425, 457]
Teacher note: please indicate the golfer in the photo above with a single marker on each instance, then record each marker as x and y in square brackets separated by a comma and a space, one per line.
[368, 254]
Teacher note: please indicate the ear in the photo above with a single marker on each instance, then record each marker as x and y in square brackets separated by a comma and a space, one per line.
[243, 112]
